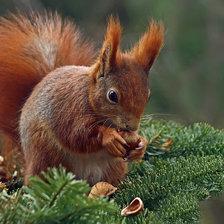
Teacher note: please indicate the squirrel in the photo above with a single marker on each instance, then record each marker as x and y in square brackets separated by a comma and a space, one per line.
[63, 103]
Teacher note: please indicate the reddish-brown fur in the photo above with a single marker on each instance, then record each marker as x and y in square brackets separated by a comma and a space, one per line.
[149, 45]
[68, 118]
[23, 63]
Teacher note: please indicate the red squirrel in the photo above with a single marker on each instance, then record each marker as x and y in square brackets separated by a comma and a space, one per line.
[63, 103]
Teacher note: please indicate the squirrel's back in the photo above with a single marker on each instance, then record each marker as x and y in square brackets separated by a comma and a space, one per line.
[31, 46]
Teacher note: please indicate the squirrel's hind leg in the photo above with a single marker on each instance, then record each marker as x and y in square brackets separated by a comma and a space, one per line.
[40, 160]
[40, 153]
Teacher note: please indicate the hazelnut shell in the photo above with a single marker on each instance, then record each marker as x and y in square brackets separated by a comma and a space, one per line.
[135, 207]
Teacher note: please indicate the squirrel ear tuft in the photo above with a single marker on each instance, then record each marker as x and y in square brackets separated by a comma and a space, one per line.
[110, 52]
[149, 46]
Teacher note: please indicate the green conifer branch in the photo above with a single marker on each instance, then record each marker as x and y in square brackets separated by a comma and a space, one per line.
[171, 181]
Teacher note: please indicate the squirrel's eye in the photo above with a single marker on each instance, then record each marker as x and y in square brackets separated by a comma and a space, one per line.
[113, 96]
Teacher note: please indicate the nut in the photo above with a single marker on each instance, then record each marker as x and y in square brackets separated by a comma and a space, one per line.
[132, 139]
[135, 207]
[101, 189]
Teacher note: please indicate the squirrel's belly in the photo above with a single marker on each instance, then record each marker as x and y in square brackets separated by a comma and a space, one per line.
[91, 167]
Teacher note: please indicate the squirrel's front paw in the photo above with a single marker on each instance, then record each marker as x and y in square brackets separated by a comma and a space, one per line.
[113, 142]
[137, 153]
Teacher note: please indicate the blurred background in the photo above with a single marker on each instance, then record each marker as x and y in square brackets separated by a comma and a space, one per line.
[187, 80]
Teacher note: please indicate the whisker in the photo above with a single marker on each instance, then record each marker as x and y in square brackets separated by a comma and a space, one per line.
[96, 123]
[164, 116]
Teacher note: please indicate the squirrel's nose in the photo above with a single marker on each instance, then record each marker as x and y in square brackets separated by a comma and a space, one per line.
[127, 126]
[131, 123]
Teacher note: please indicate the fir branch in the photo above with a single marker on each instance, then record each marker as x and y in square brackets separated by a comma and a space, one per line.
[170, 183]
[57, 193]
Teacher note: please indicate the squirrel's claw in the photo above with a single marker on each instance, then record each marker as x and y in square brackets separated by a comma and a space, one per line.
[138, 152]
[140, 145]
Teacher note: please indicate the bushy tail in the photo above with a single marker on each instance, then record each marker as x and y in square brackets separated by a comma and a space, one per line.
[30, 47]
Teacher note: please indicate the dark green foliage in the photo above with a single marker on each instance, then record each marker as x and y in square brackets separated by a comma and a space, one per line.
[171, 184]
[61, 200]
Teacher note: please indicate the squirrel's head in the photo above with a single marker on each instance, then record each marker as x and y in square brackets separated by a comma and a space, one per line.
[119, 91]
